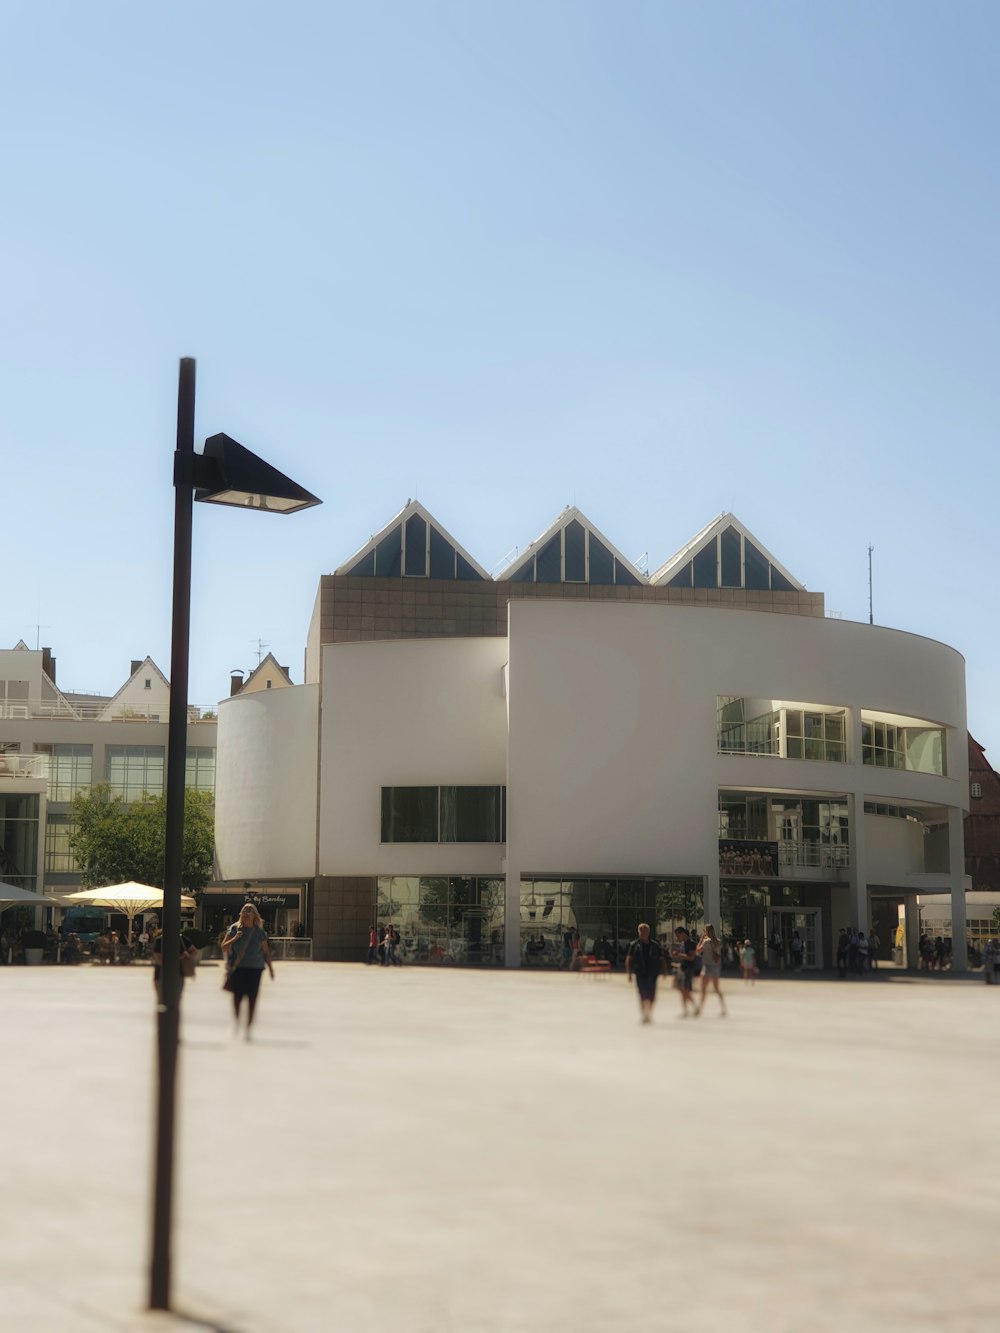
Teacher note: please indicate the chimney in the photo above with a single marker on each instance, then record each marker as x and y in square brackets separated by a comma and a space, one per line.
[235, 682]
[49, 664]
[135, 667]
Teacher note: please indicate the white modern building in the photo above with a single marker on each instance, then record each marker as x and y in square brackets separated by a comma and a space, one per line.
[492, 762]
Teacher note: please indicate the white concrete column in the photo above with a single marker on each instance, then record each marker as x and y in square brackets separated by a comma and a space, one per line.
[859, 875]
[512, 915]
[713, 892]
[956, 877]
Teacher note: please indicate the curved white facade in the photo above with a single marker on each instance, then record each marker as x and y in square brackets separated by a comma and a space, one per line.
[575, 747]
[266, 778]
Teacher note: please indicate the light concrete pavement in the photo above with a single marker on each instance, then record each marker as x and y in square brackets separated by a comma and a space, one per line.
[416, 1151]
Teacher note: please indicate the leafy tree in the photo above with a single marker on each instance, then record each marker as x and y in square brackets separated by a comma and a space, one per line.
[114, 840]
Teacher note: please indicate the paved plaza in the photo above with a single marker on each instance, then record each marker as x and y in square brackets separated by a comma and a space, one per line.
[418, 1151]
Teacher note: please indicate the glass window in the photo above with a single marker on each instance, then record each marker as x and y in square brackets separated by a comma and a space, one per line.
[706, 572]
[416, 547]
[732, 572]
[19, 814]
[602, 565]
[463, 570]
[59, 858]
[471, 814]
[366, 565]
[682, 579]
[409, 814]
[389, 553]
[624, 575]
[199, 769]
[575, 538]
[778, 581]
[442, 557]
[916, 747]
[70, 770]
[757, 569]
[548, 562]
[526, 574]
[134, 770]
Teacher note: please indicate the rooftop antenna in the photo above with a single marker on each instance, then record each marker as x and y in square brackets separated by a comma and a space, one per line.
[871, 618]
[38, 634]
[261, 645]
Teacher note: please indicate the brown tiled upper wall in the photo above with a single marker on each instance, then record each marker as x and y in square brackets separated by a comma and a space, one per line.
[354, 608]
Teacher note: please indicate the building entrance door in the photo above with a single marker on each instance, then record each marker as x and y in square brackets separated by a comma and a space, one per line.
[808, 922]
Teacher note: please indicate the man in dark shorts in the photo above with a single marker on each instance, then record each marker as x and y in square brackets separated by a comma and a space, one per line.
[685, 956]
[643, 958]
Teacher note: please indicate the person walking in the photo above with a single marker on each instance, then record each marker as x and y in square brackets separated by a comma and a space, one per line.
[874, 948]
[795, 948]
[644, 958]
[843, 945]
[372, 945]
[748, 963]
[247, 953]
[684, 955]
[710, 949]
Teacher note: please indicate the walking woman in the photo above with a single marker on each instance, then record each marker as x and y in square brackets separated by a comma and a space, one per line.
[710, 948]
[247, 954]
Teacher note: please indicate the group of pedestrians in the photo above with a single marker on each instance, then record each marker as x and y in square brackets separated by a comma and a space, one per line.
[383, 945]
[856, 954]
[688, 959]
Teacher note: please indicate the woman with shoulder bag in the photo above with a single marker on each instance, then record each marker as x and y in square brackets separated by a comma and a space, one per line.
[247, 953]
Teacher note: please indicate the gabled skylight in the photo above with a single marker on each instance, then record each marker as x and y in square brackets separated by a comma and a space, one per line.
[572, 550]
[413, 545]
[725, 555]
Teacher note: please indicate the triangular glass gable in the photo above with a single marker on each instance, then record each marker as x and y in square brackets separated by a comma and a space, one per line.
[572, 551]
[413, 545]
[726, 555]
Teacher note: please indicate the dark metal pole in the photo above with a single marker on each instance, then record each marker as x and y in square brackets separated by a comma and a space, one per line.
[168, 1018]
[871, 614]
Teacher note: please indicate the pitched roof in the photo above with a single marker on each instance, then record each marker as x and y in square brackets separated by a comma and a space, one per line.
[676, 566]
[366, 555]
[551, 547]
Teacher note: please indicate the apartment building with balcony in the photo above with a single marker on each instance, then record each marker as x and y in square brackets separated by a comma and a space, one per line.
[579, 744]
[55, 743]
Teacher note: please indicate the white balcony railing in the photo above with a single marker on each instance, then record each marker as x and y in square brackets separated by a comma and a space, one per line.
[23, 766]
[99, 710]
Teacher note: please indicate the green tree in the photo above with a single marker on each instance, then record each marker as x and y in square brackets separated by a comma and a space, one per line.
[114, 840]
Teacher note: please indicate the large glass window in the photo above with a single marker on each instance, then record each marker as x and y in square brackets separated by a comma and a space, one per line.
[812, 734]
[409, 814]
[135, 770]
[457, 919]
[59, 858]
[900, 742]
[771, 726]
[605, 912]
[472, 814]
[199, 769]
[443, 814]
[19, 840]
[70, 769]
[801, 831]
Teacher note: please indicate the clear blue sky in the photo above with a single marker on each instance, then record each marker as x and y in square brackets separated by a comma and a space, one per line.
[658, 260]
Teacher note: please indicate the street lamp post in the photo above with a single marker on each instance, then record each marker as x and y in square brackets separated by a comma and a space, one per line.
[225, 473]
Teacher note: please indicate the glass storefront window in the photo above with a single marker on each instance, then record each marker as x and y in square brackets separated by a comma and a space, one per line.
[443, 814]
[606, 912]
[450, 919]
